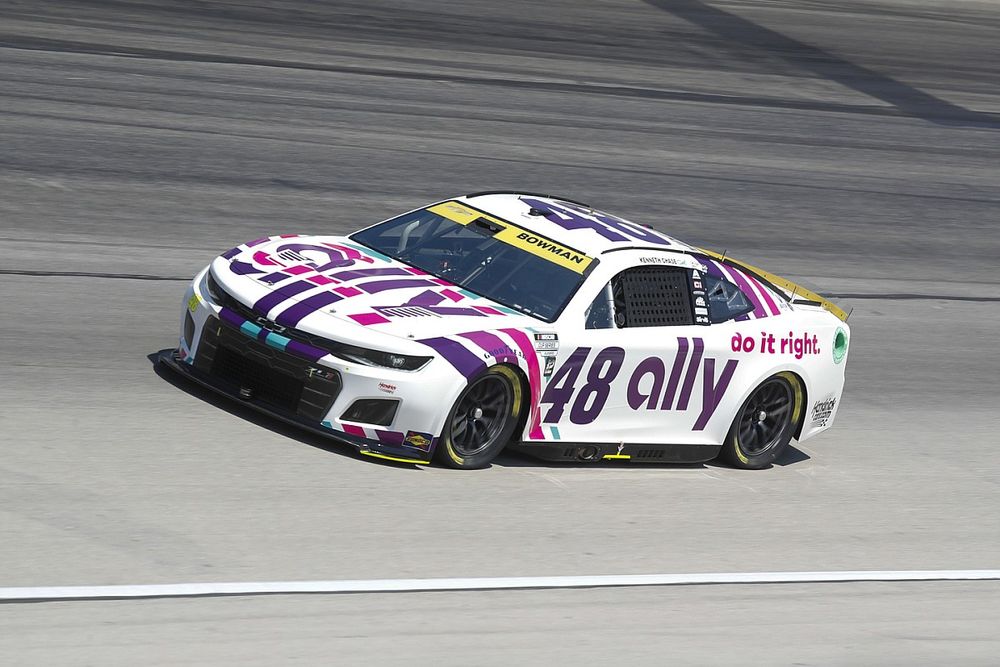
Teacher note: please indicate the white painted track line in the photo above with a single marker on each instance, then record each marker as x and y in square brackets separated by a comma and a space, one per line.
[119, 592]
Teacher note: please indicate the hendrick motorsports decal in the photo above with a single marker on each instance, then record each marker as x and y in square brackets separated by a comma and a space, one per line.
[822, 411]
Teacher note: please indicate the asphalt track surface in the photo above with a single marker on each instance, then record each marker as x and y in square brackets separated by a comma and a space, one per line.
[853, 145]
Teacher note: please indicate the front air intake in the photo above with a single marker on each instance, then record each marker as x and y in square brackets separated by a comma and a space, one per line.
[375, 411]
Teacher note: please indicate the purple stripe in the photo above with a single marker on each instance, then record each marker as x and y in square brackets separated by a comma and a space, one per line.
[293, 315]
[229, 254]
[675, 374]
[305, 351]
[741, 282]
[699, 348]
[500, 350]
[384, 285]
[454, 353]
[272, 299]
[273, 278]
[251, 244]
[369, 273]
[230, 317]
[392, 438]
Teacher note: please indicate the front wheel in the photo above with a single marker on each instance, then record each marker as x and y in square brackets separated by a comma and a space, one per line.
[482, 420]
[764, 425]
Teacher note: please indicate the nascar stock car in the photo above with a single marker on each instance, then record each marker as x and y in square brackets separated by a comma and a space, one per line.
[514, 319]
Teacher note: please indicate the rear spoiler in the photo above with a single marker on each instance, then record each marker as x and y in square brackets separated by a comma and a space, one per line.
[780, 284]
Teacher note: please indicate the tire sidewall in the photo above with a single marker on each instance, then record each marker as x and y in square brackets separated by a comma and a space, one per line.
[446, 452]
[733, 452]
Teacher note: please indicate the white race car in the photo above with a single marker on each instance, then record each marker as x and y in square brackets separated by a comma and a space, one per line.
[513, 319]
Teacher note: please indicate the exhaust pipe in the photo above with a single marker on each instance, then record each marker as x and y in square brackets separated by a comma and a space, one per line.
[589, 453]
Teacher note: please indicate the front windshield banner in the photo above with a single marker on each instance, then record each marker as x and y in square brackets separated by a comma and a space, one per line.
[513, 235]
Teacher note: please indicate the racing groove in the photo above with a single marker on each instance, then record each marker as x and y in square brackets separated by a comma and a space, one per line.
[853, 147]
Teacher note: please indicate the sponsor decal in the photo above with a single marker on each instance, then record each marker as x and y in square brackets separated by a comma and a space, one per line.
[550, 365]
[511, 234]
[795, 344]
[651, 385]
[823, 410]
[682, 260]
[323, 373]
[387, 387]
[550, 247]
[839, 345]
[546, 342]
[417, 440]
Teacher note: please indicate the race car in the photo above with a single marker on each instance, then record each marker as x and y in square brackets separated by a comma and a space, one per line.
[521, 320]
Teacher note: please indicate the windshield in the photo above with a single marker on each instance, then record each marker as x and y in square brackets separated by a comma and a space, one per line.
[485, 255]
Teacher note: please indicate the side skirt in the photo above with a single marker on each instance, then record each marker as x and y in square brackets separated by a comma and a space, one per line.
[589, 452]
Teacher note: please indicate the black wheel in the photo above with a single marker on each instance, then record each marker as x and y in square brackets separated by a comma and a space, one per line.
[482, 420]
[764, 425]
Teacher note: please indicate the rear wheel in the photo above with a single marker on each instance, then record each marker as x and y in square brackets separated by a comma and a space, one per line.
[765, 423]
[482, 420]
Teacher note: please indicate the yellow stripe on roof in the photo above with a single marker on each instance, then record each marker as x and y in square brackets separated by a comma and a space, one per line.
[516, 236]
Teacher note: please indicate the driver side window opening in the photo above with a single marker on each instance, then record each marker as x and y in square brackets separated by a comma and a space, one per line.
[658, 296]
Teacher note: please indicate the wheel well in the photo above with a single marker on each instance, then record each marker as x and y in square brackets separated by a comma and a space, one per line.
[522, 417]
[805, 403]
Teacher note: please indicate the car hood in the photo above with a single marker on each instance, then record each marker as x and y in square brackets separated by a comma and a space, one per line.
[331, 286]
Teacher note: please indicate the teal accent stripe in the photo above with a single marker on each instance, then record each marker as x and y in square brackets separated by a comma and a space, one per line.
[250, 329]
[509, 311]
[555, 433]
[276, 341]
[471, 295]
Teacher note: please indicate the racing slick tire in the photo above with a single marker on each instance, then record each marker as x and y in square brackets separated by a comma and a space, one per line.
[765, 423]
[482, 421]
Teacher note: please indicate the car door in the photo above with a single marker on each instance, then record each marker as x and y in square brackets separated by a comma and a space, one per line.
[642, 365]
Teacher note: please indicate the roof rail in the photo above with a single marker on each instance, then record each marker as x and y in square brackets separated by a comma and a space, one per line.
[530, 194]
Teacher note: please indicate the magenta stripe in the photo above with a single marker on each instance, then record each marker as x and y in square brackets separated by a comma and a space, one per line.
[741, 282]
[377, 286]
[534, 380]
[280, 295]
[353, 430]
[766, 294]
[457, 355]
[293, 315]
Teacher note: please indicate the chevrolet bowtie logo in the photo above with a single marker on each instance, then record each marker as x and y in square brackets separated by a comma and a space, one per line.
[265, 323]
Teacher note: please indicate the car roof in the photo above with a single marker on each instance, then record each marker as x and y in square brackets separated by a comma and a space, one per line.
[584, 228]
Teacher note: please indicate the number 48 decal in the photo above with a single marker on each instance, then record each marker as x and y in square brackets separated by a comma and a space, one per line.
[593, 395]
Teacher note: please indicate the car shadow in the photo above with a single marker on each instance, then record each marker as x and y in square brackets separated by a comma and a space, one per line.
[507, 459]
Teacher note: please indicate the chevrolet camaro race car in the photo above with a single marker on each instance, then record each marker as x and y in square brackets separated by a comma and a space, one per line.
[513, 319]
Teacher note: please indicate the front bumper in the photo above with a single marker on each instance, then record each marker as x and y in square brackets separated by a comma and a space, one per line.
[173, 359]
[305, 387]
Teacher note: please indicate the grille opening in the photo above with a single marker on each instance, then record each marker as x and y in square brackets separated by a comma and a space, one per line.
[188, 329]
[652, 296]
[265, 383]
[377, 411]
